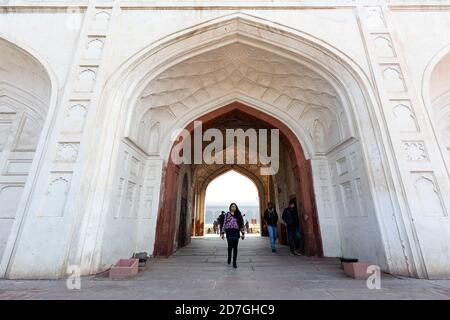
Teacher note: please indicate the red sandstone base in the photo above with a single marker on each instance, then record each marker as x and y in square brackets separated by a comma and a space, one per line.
[356, 270]
[124, 268]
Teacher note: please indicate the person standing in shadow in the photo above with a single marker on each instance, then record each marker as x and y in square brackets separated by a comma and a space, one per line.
[233, 226]
[290, 218]
[220, 220]
[271, 219]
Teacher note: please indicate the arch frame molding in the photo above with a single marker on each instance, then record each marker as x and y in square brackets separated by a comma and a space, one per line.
[428, 103]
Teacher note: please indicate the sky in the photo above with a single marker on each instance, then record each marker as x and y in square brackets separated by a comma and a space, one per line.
[231, 187]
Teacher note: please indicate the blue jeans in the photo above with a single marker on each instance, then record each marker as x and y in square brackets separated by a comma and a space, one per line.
[293, 234]
[272, 235]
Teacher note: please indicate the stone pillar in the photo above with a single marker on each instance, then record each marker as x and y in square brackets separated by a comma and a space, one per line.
[326, 207]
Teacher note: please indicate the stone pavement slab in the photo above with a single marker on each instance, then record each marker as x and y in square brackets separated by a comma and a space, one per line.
[199, 271]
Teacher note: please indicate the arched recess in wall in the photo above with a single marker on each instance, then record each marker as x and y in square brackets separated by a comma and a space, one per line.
[352, 114]
[28, 93]
[436, 95]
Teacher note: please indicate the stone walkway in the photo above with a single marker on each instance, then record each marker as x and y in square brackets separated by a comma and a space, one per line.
[199, 271]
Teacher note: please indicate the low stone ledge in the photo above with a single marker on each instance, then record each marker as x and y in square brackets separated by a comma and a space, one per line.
[356, 270]
[124, 268]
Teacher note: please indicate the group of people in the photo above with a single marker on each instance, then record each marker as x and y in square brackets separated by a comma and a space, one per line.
[292, 222]
[231, 225]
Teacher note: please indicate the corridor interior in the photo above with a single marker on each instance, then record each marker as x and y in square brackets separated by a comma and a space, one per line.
[183, 212]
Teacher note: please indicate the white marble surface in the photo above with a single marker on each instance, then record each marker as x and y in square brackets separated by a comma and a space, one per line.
[392, 205]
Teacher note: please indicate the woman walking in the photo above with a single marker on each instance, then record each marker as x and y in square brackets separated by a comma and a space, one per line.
[233, 225]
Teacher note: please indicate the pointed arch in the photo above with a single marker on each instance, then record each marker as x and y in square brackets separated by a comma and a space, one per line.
[301, 169]
[260, 186]
[124, 89]
[242, 28]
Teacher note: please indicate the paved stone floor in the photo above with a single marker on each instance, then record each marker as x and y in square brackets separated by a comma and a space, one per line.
[199, 271]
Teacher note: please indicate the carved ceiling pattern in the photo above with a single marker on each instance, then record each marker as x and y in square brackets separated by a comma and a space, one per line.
[257, 73]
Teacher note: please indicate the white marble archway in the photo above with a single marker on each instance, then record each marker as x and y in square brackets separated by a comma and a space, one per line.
[358, 151]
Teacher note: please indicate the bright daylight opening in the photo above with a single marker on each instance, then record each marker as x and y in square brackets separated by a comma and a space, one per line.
[228, 188]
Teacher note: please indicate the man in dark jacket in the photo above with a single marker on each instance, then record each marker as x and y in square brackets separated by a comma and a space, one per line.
[271, 219]
[220, 220]
[290, 218]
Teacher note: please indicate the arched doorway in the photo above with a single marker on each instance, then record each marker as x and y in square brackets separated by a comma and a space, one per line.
[322, 96]
[205, 174]
[295, 169]
[232, 187]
